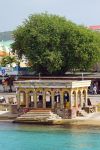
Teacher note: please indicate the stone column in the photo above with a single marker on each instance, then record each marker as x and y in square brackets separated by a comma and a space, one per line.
[81, 99]
[76, 104]
[86, 98]
[70, 99]
[35, 99]
[44, 100]
[27, 99]
[52, 99]
[61, 100]
[18, 98]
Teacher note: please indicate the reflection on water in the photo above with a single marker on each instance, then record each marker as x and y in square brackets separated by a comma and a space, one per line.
[35, 137]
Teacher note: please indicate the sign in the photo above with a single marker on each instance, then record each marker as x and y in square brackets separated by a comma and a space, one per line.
[8, 71]
[3, 71]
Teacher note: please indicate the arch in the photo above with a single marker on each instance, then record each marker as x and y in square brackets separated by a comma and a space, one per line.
[22, 97]
[66, 99]
[84, 92]
[31, 99]
[57, 98]
[39, 95]
[48, 99]
[73, 100]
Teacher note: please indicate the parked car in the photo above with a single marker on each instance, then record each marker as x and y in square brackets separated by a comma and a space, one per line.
[2, 99]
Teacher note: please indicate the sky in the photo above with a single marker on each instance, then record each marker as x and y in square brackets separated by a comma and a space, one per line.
[14, 12]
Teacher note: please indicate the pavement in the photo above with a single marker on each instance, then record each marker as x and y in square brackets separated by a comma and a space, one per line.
[6, 88]
[95, 99]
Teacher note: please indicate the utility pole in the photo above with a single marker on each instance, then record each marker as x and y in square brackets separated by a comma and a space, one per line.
[82, 77]
[39, 76]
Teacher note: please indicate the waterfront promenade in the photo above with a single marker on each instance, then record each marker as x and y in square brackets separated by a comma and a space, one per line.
[92, 119]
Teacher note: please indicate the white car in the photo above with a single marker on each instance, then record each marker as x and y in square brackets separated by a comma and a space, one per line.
[2, 99]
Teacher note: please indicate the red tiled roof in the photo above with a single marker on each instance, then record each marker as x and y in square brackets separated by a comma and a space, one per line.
[2, 54]
[95, 27]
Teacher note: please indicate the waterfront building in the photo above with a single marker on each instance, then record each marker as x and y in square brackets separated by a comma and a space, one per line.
[95, 28]
[52, 94]
[6, 50]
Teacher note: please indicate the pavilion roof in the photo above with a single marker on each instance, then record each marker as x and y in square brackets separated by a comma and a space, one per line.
[52, 83]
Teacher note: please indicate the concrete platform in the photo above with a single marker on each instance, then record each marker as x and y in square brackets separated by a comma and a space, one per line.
[6, 115]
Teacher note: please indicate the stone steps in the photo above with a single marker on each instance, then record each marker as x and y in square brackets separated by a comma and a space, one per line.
[40, 110]
[45, 113]
[37, 115]
[34, 115]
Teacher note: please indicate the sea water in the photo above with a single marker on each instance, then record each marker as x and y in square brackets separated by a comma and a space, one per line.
[32, 137]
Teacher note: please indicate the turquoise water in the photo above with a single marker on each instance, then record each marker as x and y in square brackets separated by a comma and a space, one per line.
[30, 137]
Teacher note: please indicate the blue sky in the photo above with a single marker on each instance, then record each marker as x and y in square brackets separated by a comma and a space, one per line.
[14, 12]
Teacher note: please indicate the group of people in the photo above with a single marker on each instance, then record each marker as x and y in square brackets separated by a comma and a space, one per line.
[7, 84]
[93, 89]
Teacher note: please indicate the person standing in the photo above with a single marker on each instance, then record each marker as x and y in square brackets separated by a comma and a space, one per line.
[94, 89]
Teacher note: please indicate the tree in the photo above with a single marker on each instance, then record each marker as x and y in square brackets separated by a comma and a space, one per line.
[81, 48]
[8, 60]
[53, 44]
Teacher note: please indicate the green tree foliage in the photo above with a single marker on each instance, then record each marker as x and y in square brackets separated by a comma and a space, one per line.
[8, 60]
[54, 45]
